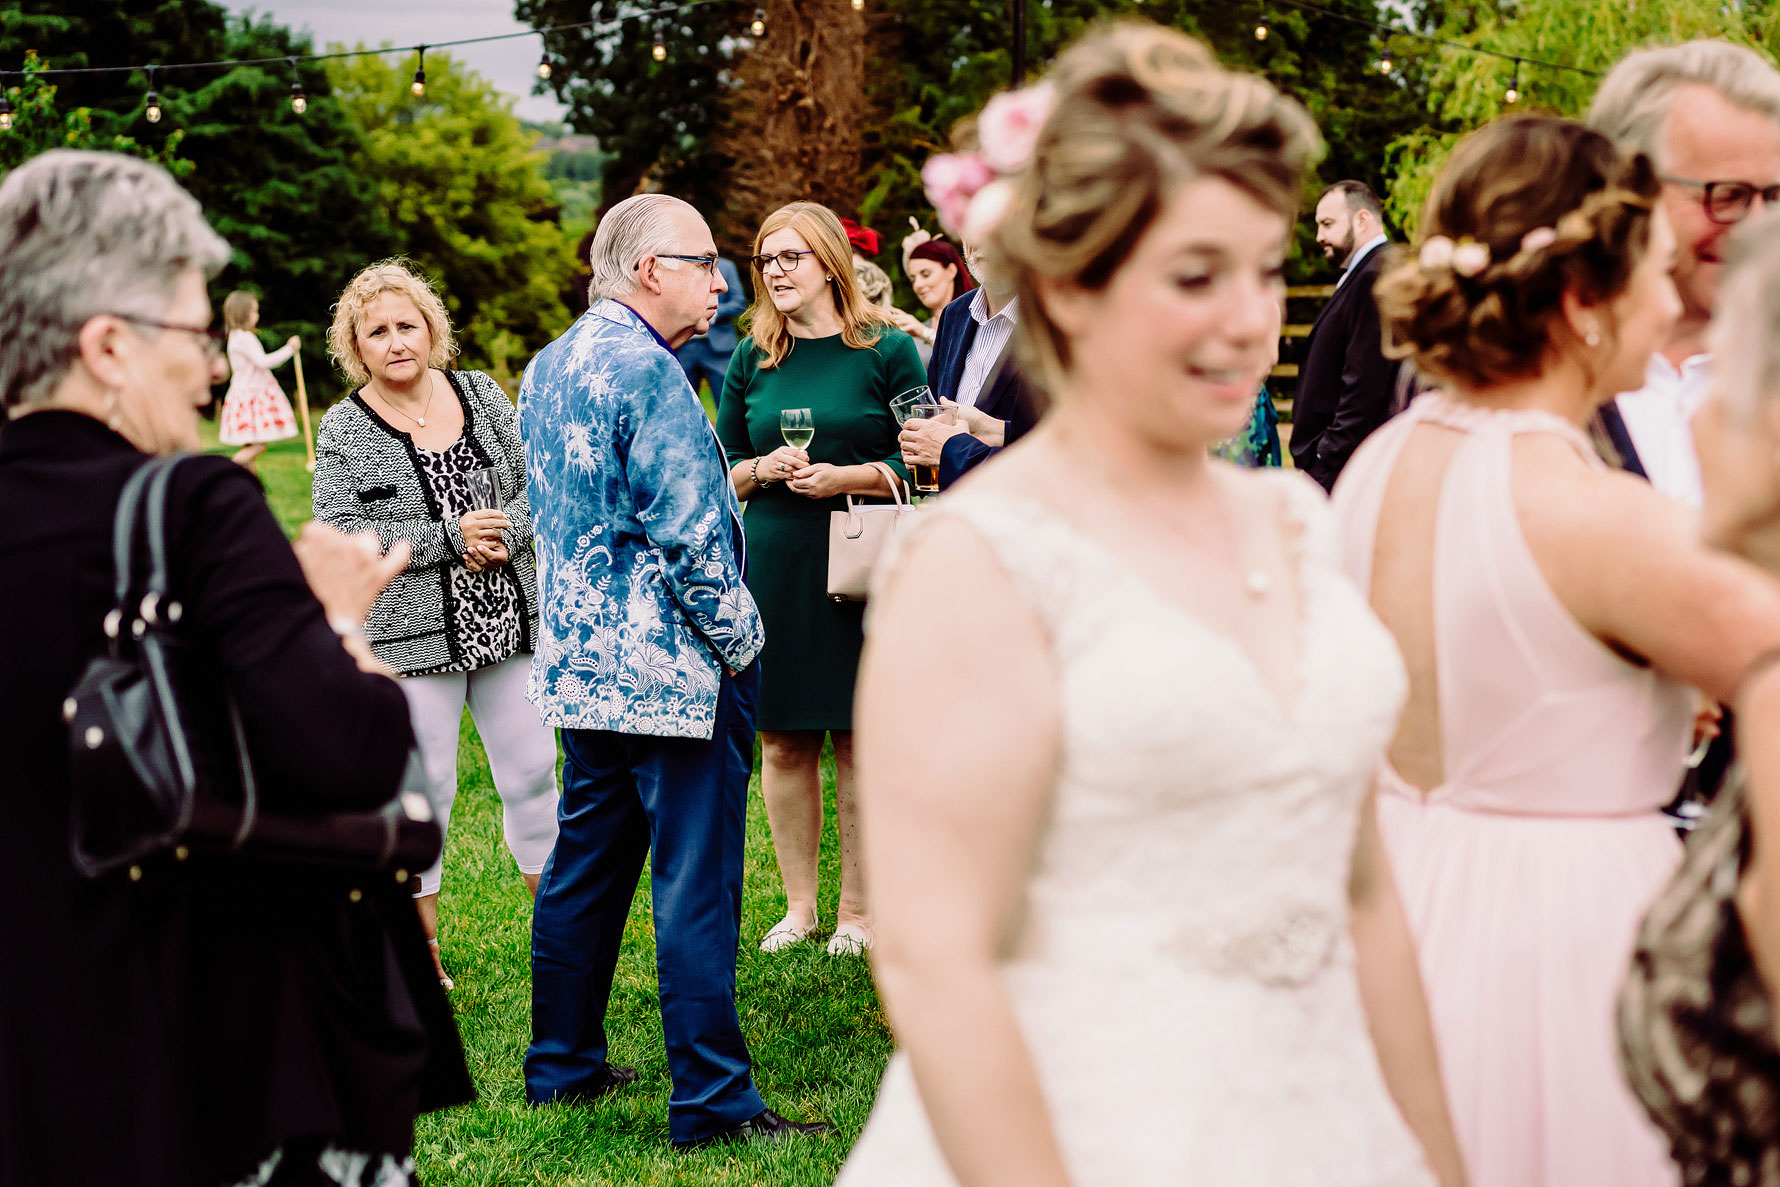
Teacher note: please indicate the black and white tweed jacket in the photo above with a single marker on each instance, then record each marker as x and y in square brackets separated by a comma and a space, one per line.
[367, 476]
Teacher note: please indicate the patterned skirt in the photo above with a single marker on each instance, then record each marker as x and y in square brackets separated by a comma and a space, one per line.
[257, 414]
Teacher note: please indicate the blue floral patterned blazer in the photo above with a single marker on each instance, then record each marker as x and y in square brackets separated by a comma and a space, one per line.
[638, 536]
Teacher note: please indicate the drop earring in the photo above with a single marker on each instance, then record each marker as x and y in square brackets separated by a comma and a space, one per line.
[112, 419]
[1592, 337]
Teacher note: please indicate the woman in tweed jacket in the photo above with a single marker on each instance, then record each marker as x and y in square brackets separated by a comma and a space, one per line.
[415, 454]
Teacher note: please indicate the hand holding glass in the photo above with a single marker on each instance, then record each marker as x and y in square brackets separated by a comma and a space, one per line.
[485, 490]
[927, 477]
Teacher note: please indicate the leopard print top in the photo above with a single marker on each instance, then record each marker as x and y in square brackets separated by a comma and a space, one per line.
[481, 609]
[1696, 1024]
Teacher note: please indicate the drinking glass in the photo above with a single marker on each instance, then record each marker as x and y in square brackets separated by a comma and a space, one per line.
[913, 398]
[927, 477]
[798, 427]
[485, 490]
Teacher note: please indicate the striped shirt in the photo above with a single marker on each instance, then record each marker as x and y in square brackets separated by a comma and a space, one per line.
[992, 335]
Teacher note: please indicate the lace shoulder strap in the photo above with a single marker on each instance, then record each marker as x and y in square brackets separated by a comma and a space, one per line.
[1438, 408]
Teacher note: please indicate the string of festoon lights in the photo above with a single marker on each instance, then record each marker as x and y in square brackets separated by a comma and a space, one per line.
[1510, 96]
[153, 111]
[658, 50]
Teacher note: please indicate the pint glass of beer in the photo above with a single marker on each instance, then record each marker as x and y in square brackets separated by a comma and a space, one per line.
[927, 477]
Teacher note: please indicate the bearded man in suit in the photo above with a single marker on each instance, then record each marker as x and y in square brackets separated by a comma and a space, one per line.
[1345, 385]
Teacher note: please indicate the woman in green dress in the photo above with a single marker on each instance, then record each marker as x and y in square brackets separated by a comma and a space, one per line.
[815, 343]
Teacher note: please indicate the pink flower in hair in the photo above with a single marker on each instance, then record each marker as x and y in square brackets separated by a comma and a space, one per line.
[987, 209]
[1538, 239]
[1436, 253]
[951, 181]
[1008, 127]
[1470, 257]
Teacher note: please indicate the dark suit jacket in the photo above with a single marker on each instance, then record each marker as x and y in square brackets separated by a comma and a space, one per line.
[1006, 395]
[1345, 384]
[172, 1030]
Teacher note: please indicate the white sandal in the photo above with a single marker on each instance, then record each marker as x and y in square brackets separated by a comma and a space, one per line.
[849, 940]
[785, 933]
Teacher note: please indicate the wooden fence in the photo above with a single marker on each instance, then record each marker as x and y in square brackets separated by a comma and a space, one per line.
[1300, 299]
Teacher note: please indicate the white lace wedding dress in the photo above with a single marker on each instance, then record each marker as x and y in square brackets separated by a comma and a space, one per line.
[1183, 975]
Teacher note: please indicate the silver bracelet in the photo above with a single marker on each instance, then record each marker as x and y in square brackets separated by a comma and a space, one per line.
[346, 628]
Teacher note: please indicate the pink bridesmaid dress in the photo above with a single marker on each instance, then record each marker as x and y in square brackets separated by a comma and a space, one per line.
[1526, 872]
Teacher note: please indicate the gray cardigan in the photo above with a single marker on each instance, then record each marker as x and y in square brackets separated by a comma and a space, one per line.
[367, 476]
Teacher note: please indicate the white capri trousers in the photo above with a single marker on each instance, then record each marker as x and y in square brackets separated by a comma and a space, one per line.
[521, 753]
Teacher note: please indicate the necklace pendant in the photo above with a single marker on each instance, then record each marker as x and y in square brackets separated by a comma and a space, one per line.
[421, 421]
[1257, 583]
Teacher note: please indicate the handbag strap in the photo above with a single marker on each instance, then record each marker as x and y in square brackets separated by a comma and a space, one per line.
[123, 528]
[896, 491]
[157, 475]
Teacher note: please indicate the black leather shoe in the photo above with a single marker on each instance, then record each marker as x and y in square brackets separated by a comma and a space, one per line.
[766, 1126]
[610, 1079]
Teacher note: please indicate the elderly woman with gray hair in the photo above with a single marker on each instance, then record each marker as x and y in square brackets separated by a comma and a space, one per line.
[210, 1020]
[431, 457]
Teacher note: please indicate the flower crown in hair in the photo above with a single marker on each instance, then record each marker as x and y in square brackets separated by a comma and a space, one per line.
[973, 191]
[1468, 258]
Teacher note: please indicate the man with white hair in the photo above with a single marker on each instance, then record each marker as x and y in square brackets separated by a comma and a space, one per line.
[1707, 113]
[645, 658]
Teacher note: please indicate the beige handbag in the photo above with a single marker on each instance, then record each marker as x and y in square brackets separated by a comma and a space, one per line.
[858, 535]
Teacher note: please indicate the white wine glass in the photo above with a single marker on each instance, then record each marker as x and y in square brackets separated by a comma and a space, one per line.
[485, 490]
[798, 427]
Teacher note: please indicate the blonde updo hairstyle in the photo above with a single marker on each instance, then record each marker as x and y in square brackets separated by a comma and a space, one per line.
[1509, 178]
[1139, 111]
[386, 276]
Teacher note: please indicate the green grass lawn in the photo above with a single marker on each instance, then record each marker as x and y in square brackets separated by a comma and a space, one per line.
[812, 1021]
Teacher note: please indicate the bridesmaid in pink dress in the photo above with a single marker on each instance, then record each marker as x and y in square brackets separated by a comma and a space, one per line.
[1556, 617]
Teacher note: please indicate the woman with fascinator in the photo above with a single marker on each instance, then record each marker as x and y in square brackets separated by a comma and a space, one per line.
[1135, 925]
[1555, 617]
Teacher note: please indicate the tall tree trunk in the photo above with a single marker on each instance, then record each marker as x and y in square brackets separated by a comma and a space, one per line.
[797, 133]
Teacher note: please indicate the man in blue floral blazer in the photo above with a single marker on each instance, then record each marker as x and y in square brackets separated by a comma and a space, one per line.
[645, 655]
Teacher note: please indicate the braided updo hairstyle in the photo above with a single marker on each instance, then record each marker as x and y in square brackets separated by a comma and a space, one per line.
[1139, 110]
[1503, 181]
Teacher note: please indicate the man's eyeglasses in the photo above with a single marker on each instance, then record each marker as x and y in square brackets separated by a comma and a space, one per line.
[786, 260]
[1728, 202]
[213, 337]
[707, 264]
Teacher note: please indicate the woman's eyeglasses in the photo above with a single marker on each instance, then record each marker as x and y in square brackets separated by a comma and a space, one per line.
[786, 260]
[213, 337]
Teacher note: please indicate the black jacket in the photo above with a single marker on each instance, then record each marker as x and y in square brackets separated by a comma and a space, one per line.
[173, 1030]
[1006, 395]
[1345, 384]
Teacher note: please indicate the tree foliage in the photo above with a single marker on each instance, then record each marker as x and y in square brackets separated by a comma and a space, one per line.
[466, 199]
[277, 186]
[1469, 89]
[656, 120]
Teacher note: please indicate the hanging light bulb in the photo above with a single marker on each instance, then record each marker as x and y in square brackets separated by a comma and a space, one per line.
[5, 107]
[151, 102]
[299, 102]
[660, 50]
[418, 86]
[544, 67]
[1261, 25]
[1385, 65]
[858, 5]
[1512, 95]
[758, 26]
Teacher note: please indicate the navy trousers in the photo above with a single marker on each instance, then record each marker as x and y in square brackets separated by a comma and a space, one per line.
[683, 801]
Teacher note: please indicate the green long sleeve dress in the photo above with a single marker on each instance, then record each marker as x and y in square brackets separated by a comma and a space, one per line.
[812, 643]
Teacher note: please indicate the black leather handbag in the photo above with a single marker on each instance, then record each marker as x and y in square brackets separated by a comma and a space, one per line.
[158, 759]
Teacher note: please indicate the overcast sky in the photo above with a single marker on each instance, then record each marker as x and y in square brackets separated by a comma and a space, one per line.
[510, 65]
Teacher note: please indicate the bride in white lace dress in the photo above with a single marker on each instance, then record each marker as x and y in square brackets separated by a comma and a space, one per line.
[1134, 923]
